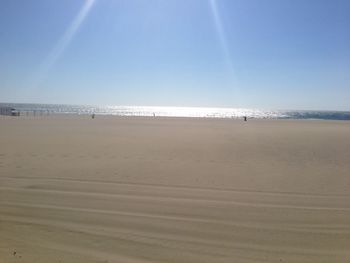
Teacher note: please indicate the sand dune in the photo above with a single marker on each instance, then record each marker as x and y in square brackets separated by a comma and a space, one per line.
[73, 189]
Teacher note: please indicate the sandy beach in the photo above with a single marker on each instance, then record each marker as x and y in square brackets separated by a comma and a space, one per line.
[120, 189]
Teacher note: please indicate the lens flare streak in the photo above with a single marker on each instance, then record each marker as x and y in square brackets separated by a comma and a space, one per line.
[64, 41]
[221, 33]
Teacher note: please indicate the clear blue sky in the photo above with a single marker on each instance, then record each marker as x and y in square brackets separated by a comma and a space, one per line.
[278, 54]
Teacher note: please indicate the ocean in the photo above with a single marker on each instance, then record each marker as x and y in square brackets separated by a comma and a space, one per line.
[199, 112]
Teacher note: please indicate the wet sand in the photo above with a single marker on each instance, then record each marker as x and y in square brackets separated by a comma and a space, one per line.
[116, 189]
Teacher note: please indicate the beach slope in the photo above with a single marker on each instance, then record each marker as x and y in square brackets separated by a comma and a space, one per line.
[119, 189]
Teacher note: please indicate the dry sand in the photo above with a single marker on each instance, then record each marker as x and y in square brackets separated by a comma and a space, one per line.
[73, 189]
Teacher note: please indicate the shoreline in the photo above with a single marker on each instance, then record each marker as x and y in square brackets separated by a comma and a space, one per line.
[104, 116]
[205, 112]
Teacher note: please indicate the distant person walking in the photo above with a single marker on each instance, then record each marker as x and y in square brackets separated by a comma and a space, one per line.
[245, 118]
[93, 116]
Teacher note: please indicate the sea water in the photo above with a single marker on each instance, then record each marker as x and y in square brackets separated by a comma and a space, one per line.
[200, 112]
